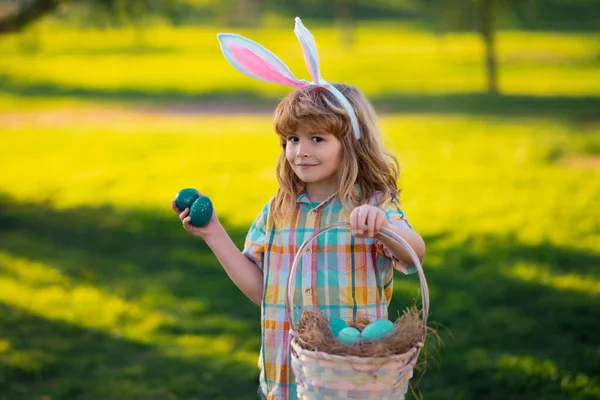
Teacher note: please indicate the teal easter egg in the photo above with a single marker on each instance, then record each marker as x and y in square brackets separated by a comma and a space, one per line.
[186, 197]
[201, 211]
[349, 335]
[378, 329]
[337, 325]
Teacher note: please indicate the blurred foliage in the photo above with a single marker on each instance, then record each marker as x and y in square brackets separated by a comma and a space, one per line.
[442, 15]
[389, 62]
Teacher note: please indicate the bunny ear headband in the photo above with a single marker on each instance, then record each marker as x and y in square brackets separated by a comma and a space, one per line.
[252, 59]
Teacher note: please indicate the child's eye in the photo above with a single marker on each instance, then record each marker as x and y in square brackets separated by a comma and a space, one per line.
[293, 139]
[317, 139]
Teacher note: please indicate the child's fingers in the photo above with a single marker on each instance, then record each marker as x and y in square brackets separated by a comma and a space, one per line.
[371, 221]
[184, 214]
[361, 220]
[380, 221]
[354, 221]
[174, 206]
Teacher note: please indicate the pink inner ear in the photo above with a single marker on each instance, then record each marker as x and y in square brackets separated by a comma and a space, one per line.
[259, 67]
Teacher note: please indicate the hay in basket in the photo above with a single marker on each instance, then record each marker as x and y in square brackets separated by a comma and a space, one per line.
[327, 369]
[314, 334]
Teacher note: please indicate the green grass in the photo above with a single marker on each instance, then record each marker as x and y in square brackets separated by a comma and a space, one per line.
[103, 296]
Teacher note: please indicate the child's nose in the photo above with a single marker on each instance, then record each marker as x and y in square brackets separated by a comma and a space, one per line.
[303, 149]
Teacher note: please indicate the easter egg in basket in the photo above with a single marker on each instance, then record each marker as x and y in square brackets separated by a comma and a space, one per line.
[337, 325]
[377, 330]
[349, 335]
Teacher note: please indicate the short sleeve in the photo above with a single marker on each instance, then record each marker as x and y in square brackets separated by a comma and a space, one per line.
[254, 246]
[395, 216]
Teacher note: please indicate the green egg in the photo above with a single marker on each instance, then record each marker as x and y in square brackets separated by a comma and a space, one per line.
[186, 197]
[349, 335]
[337, 325]
[201, 211]
[377, 330]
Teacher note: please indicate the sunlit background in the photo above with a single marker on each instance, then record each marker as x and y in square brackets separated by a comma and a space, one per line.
[108, 108]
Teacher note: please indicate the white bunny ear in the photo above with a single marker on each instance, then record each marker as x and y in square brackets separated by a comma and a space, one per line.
[309, 48]
[252, 59]
[311, 57]
[348, 107]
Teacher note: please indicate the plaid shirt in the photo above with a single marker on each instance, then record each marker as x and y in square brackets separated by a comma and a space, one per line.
[326, 277]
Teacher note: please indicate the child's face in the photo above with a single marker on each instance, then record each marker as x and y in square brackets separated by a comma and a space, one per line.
[314, 156]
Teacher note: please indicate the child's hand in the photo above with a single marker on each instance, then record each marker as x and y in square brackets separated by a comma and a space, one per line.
[367, 221]
[201, 232]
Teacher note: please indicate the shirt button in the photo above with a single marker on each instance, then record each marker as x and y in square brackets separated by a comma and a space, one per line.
[309, 251]
[314, 212]
[308, 291]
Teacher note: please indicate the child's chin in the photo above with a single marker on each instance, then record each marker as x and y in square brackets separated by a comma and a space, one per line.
[306, 179]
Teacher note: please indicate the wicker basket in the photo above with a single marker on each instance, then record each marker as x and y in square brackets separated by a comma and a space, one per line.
[322, 376]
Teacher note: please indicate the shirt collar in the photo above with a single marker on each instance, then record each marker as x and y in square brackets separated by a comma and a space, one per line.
[303, 198]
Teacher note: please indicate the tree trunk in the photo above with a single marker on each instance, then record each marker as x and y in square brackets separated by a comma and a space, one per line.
[137, 10]
[486, 26]
[27, 14]
[344, 16]
[245, 13]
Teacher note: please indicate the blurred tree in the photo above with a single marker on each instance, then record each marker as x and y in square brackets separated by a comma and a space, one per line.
[121, 12]
[480, 15]
[452, 15]
[486, 24]
[462, 14]
[242, 12]
[345, 13]
[345, 20]
[486, 15]
[24, 12]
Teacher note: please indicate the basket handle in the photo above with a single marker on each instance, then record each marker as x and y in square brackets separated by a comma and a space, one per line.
[291, 281]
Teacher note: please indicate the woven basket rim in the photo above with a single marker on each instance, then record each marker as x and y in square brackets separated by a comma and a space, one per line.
[412, 352]
[289, 307]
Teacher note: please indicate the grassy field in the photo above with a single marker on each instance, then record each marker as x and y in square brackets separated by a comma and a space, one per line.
[103, 296]
[50, 63]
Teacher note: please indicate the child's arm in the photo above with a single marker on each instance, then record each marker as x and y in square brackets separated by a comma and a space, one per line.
[367, 221]
[413, 238]
[242, 271]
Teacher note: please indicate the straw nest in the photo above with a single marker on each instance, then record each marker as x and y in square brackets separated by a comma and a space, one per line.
[314, 334]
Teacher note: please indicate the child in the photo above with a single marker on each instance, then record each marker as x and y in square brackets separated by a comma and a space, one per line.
[332, 168]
